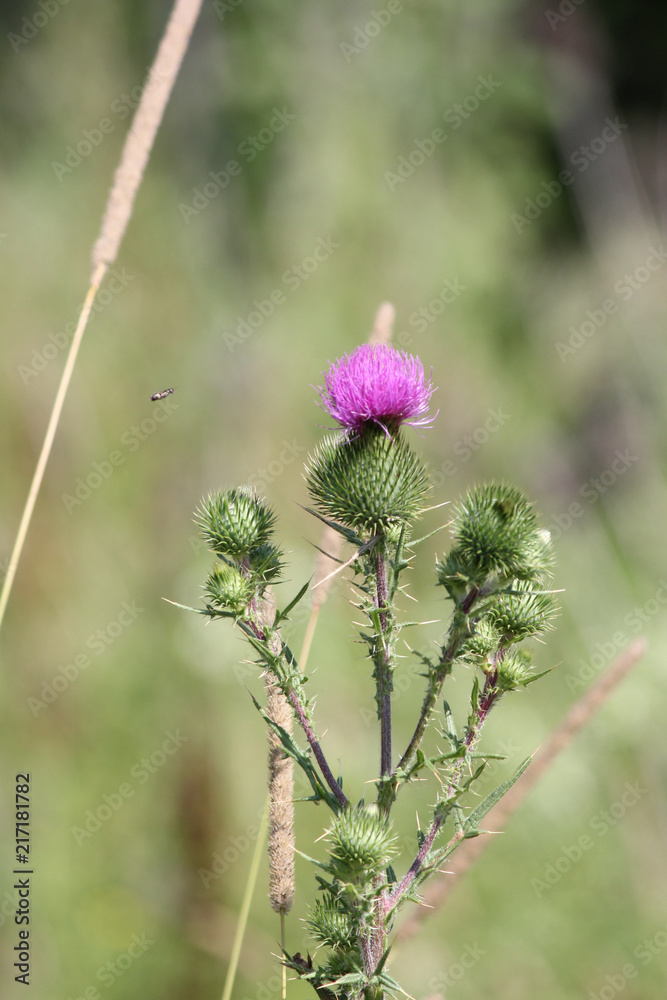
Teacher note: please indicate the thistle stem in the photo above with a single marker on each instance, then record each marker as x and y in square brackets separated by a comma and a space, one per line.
[383, 665]
[317, 749]
[436, 681]
[392, 898]
[259, 631]
[484, 706]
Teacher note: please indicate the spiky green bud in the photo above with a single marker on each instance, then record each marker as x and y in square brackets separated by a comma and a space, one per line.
[481, 642]
[330, 925]
[235, 522]
[522, 614]
[228, 589]
[361, 843]
[373, 482]
[514, 670]
[495, 536]
[340, 963]
[266, 562]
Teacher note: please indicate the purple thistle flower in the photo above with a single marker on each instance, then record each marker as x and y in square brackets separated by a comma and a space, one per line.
[377, 384]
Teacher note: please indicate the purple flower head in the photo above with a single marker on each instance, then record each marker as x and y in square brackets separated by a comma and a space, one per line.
[377, 384]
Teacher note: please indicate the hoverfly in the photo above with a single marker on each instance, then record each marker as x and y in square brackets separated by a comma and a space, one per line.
[161, 395]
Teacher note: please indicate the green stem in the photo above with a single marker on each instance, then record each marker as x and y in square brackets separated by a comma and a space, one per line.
[245, 906]
[382, 661]
[435, 682]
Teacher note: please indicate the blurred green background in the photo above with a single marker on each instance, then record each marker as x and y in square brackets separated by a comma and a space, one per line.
[419, 146]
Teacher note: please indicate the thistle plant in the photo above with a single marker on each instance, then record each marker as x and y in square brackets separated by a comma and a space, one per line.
[368, 484]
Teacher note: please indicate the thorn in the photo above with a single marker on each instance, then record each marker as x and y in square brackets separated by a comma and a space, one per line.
[353, 558]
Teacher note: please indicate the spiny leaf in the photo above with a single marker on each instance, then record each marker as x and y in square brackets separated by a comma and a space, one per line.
[281, 615]
[417, 541]
[296, 753]
[489, 802]
[347, 533]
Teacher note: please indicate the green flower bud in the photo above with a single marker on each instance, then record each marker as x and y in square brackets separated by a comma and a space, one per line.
[361, 843]
[266, 562]
[514, 670]
[373, 483]
[236, 522]
[330, 925]
[229, 590]
[453, 574]
[521, 615]
[483, 640]
[496, 535]
[340, 963]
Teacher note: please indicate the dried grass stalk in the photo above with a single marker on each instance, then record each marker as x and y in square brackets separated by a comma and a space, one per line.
[281, 810]
[145, 124]
[281, 791]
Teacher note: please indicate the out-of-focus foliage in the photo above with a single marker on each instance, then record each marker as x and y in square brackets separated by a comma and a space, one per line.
[416, 161]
